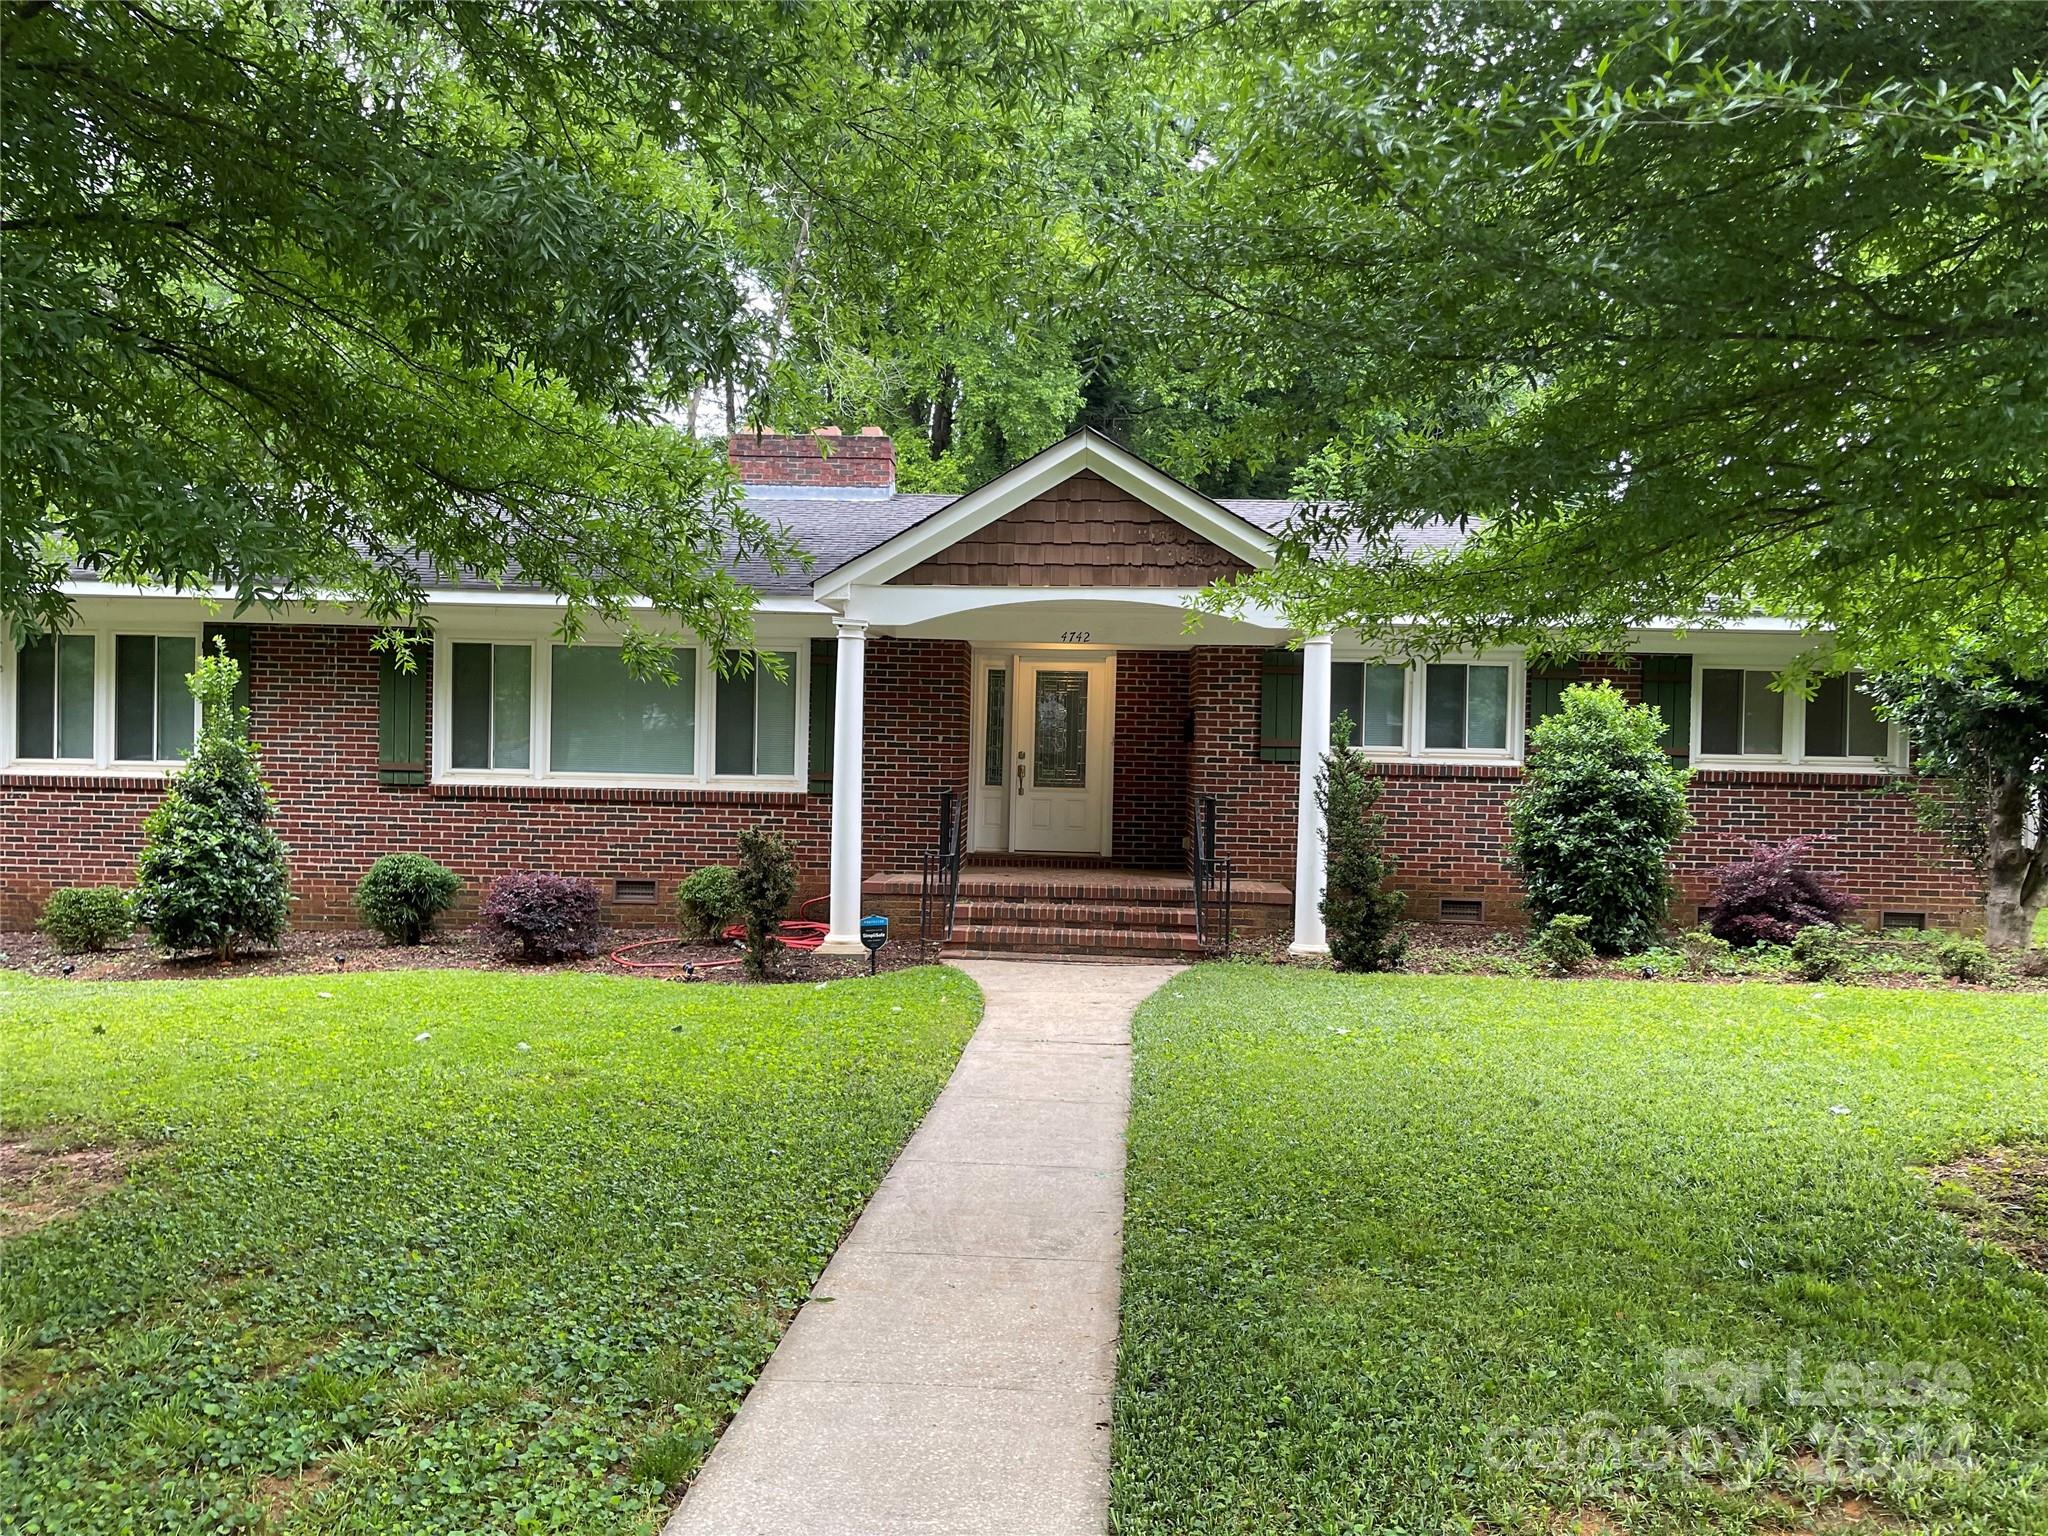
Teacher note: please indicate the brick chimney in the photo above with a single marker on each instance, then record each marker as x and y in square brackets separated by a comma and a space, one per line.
[815, 464]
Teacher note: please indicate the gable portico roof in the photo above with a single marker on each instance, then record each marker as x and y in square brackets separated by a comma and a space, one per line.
[1086, 451]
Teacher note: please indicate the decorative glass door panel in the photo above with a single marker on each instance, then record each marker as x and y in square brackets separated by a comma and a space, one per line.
[1060, 731]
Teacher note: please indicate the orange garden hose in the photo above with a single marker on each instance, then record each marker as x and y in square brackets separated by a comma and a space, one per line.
[795, 933]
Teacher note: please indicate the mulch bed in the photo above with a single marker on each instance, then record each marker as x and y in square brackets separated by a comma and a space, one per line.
[331, 951]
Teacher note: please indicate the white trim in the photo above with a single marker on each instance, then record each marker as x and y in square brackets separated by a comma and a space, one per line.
[338, 608]
[1415, 706]
[102, 762]
[1085, 450]
[1792, 758]
[541, 770]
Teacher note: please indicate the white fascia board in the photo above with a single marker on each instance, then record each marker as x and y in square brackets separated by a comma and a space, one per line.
[335, 609]
[1085, 450]
[887, 607]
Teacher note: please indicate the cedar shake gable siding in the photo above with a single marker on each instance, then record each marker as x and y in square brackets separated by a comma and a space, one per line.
[1084, 532]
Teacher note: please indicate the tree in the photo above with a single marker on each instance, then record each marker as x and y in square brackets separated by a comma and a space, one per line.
[766, 884]
[1982, 733]
[1361, 915]
[324, 295]
[213, 873]
[1675, 311]
[1594, 817]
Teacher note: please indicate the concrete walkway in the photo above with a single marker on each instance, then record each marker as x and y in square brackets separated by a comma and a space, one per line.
[950, 1375]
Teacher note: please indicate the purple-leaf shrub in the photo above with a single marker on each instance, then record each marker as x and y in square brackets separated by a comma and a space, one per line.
[1769, 896]
[552, 916]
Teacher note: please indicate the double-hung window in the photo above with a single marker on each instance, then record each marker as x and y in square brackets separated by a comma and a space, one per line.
[1465, 708]
[755, 727]
[603, 719]
[1741, 715]
[53, 698]
[1842, 721]
[490, 715]
[1373, 695]
[155, 714]
[69, 689]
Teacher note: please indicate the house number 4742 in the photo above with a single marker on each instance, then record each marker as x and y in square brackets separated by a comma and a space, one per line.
[1075, 636]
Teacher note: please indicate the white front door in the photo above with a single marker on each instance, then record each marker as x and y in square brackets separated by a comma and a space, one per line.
[1059, 744]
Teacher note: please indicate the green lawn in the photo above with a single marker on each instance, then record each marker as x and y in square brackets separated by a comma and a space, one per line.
[369, 1283]
[1386, 1234]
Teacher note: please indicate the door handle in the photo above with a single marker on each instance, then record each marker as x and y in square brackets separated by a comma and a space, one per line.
[1020, 774]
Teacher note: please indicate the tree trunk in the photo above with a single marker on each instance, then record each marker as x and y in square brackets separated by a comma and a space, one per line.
[942, 412]
[2015, 870]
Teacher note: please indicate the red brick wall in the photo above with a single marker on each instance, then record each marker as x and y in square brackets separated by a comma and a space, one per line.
[1447, 824]
[313, 705]
[1150, 795]
[314, 702]
[865, 461]
[1255, 799]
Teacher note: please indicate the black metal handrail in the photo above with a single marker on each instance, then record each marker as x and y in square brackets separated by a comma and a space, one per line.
[1213, 876]
[938, 886]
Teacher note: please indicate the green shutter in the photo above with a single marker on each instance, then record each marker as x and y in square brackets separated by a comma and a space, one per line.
[1280, 707]
[402, 719]
[1667, 685]
[1546, 688]
[824, 700]
[236, 638]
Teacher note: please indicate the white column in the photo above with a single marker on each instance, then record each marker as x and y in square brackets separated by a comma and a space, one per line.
[1309, 870]
[849, 709]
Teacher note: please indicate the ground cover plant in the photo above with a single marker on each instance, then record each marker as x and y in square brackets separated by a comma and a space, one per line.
[1409, 1254]
[416, 1252]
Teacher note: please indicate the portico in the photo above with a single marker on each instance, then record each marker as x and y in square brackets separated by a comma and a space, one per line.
[1066, 586]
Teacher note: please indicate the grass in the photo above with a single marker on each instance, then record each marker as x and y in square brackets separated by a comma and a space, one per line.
[1405, 1255]
[429, 1251]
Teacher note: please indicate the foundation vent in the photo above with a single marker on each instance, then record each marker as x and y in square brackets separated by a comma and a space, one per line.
[1902, 920]
[1456, 910]
[633, 893]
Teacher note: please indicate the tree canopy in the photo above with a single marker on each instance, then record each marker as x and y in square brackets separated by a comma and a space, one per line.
[322, 296]
[1677, 311]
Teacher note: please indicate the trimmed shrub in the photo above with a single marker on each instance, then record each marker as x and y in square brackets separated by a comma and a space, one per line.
[402, 893]
[766, 883]
[87, 917]
[1770, 896]
[708, 902]
[1359, 913]
[1597, 811]
[212, 873]
[1964, 959]
[552, 916]
[1822, 952]
[1561, 944]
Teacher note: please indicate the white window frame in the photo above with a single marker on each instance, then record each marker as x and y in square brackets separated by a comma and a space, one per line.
[444, 709]
[1414, 707]
[540, 769]
[799, 677]
[103, 633]
[1793, 756]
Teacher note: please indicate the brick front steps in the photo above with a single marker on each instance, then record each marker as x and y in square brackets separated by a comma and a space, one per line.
[1090, 911]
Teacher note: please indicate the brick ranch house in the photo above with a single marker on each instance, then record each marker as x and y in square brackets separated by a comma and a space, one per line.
[1024, 646]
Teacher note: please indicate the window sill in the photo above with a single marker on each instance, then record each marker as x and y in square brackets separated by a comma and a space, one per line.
[1724, 770]
[617, 793]
[43, 775]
